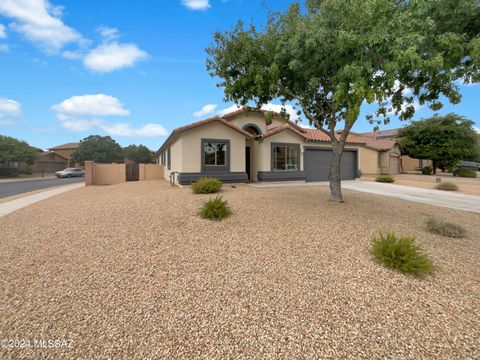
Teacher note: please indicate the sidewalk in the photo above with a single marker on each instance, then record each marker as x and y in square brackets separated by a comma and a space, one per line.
[11, 206]
[47, 177]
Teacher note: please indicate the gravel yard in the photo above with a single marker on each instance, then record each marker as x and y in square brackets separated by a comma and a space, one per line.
[131, 272]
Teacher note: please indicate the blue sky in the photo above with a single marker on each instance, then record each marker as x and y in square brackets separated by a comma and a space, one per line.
[134, 70]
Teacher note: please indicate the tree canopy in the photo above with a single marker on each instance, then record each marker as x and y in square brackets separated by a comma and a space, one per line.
[138, 153]
[101, 149]
[12, 149]
[331, 56]
[446, 140]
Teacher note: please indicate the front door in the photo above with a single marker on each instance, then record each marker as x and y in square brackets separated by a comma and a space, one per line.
[247, 161]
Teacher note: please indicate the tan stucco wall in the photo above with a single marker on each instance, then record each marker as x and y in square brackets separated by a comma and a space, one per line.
[109, 174]
[176, 153]
[150, 172]
[191, 147]
[368, 160]
[255, 118]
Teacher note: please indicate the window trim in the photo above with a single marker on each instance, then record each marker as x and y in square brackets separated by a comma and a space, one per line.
[215, 168]
[272, 155]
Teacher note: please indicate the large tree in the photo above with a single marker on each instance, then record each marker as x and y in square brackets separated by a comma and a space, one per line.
[12, 149]
[138, 153]
[331, 56]
[446, 140]
[101, 149]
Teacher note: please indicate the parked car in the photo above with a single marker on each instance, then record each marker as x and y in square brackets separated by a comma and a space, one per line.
[70, 172]
[469, 165]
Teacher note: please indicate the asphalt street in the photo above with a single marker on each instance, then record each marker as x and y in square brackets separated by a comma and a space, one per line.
[19, 187]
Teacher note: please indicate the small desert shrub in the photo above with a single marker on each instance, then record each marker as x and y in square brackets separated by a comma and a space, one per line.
[427, 170]
[401, 253]
[206, 186]
[445, 228]
[215, 209]
[468, 173]
[385, 179]
[447, 185]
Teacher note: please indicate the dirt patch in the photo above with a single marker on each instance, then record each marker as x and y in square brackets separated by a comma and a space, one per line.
[131, 271]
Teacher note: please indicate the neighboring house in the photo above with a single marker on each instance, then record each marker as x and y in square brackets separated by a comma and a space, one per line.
[407, 164]
[246, 146]
[66, 151]
[50, 162]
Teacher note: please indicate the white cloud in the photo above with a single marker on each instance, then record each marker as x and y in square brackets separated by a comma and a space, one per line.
[125, 129]
[83, 113]
[269, 107]
[9, 107]
[3, 34]
[278, 108]
[110, 57]
[9, 111]
[4, 48]
[39, 22]
[196, 4]
[108, 33]
[477, 129]
[228, 110]
[78, 124]
[93, 105]
[206, 110]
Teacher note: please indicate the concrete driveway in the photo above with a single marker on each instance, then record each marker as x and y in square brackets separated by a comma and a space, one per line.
[425, 196]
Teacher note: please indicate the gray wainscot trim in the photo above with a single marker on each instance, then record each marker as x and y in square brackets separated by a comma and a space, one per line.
[280, 175]
[215, 168]
[188, 178]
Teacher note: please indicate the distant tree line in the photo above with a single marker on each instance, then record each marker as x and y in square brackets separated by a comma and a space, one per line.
[104, 149]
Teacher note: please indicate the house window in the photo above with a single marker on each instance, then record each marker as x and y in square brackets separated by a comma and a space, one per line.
[215, 155]
[285, 157]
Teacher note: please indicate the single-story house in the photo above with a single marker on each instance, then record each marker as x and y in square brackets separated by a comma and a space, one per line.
[247, 145]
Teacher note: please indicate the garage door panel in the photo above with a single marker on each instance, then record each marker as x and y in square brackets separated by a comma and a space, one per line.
[317, 165]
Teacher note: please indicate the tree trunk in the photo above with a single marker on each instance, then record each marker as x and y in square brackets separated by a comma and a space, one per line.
[334, 177]
[434, 167]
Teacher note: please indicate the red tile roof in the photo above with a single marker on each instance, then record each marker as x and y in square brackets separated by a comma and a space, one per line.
[201, 123]
[281, 128]
[371, 140]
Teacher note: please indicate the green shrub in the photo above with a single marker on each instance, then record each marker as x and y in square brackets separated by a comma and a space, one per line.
[468, 173]
[215, 209]
[206, 186]
[447, 185]
[445, 228]
[9, 172]
[385, 179]
[427, 170]
[401, 254]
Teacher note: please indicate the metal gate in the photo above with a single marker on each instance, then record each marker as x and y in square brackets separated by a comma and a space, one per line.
[131, 172]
